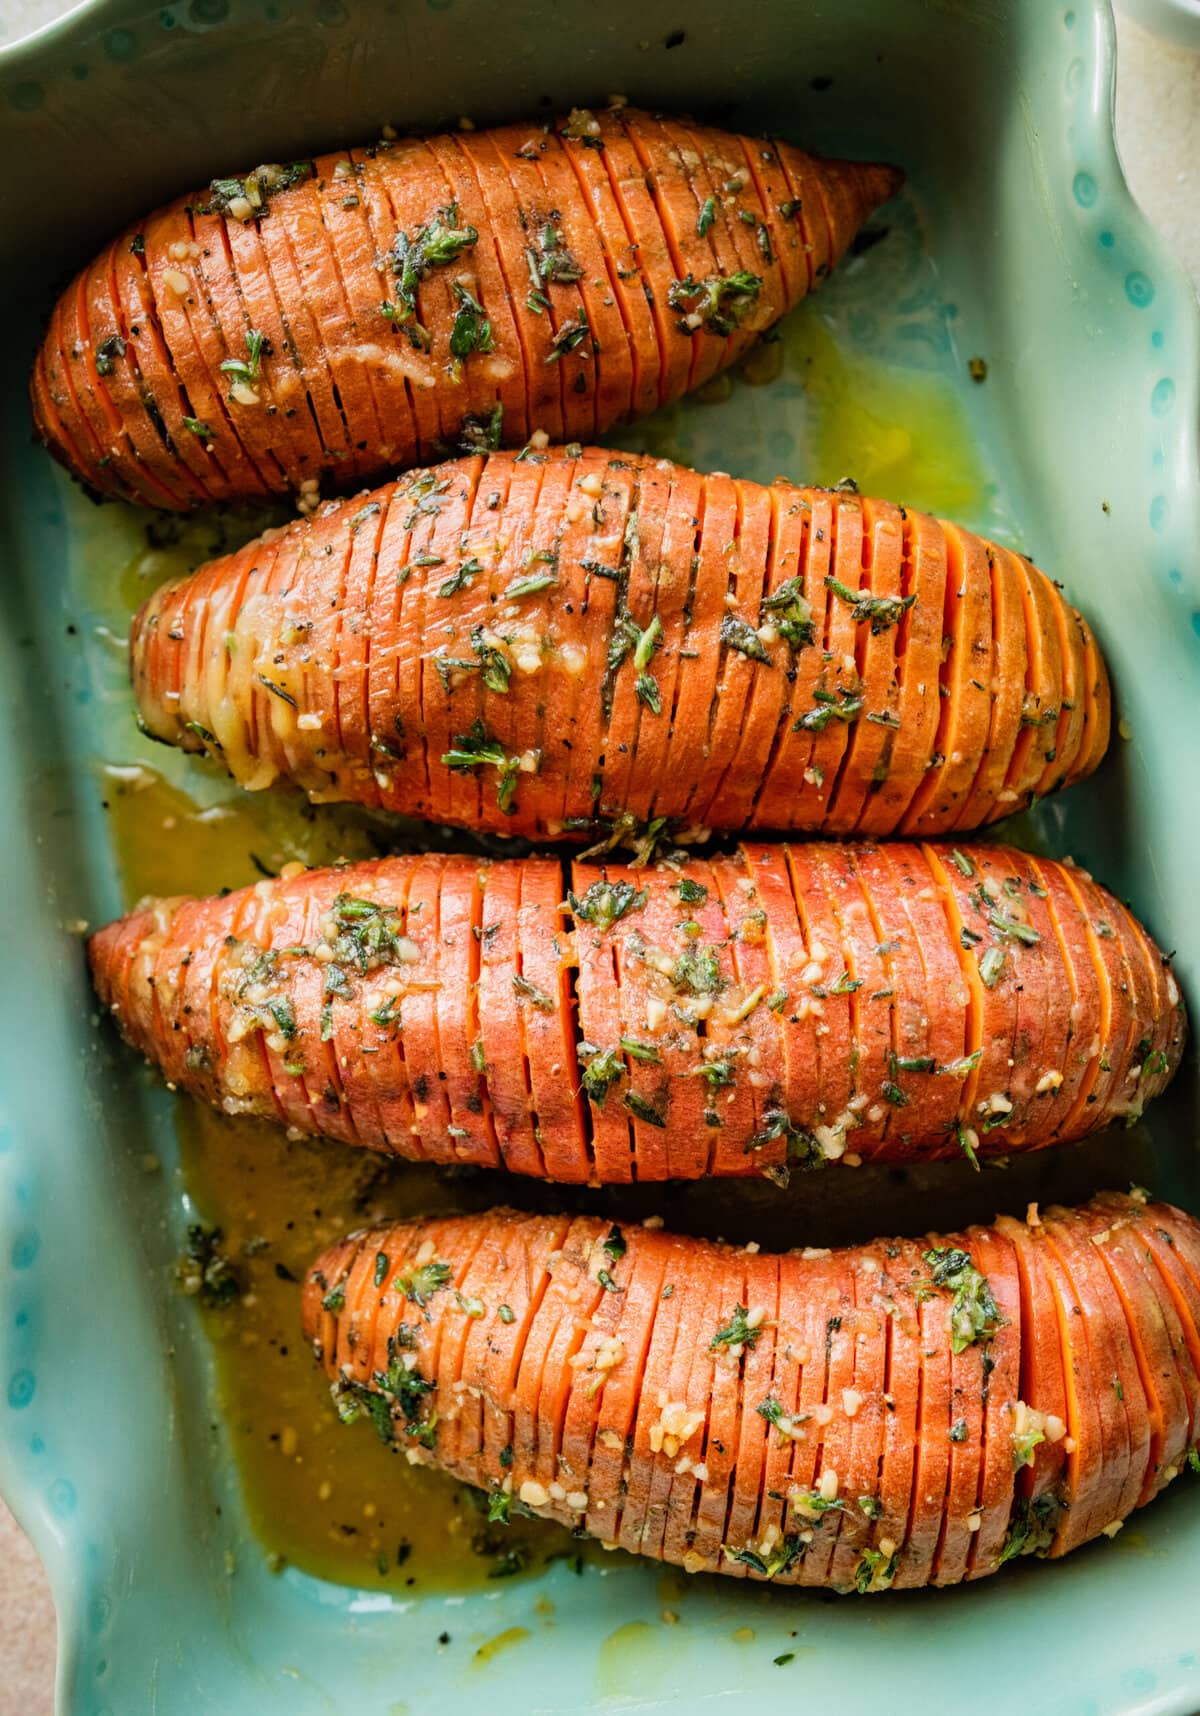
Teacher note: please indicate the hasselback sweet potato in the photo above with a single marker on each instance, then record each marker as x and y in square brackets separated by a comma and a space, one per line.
[777, 1008]
[909, 1412]
[322, 321]
[577, 639]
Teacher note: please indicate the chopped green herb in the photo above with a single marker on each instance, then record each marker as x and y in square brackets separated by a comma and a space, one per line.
[477, 749]
[204, 1272]
[196, 426]
[737, 1332]
[462, 579]
[1013, 928]
[718, 1075]
[697, 971]
[606, 902]
[813, 1502]
[974, 1313]
[479, 434]
[991, 966]
[432, 245]
[1024, 1445]
[646, 690]
[249, 368]
[531, 993]
[964, 1139]
[471, 330]
[551, 262]
[874, 1571]
[962, 1066]
[802, 1147]
[108, 352]
[787, 1551]
[1033, 1527]
[277, 690]
[421, 1281]
[846, 706]
[352, 1399]
[645, 642]
[719, 303]
[707, 216]
[284, 1016]
[506, 1314]
[793, 613]
[691, 893]
[529, 586]
[227, 196]
[571, 334]
[736, 634]
[641, 1051]
[601, 1070]
[615, 1244]
[643, 1110]
[493, 663]
[882, 611]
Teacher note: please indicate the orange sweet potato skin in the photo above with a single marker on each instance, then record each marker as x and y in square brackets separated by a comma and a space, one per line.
[319, 323]
[729, 1411]
[624, 638]
[774, 1009]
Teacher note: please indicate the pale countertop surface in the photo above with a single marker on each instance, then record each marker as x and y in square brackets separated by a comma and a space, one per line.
[1158, 131]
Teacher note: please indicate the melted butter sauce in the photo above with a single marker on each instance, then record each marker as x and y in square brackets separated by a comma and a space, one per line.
[328, 1498]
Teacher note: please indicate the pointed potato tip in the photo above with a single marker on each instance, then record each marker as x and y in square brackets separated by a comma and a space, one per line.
[891, 179]
[876, 183]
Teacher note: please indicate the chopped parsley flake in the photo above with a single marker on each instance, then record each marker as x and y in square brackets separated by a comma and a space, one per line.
[882, 611]
[736, 634]
[432, 245]
[471, 330]
[601, 1070]
[479, 434]
[777, 1560]
[792, 613]
[420, 1282]
[1032, 1529]
[605, 902]
[719, 302]
[974, 1313]
[736, 1333]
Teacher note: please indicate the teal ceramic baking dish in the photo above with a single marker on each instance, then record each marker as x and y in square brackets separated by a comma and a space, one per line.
[1016, 242]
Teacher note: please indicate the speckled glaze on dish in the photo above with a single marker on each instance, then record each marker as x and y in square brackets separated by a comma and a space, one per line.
[1016, 241]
